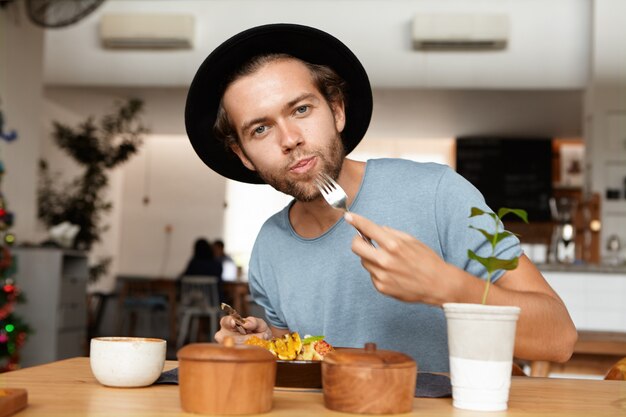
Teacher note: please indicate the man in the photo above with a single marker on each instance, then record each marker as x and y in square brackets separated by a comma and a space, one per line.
[290, 102]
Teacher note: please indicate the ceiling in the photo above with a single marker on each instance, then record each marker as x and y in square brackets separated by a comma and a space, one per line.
[548, 48]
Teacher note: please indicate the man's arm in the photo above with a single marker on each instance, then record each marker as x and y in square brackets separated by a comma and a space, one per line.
[408, 270]
[545, 329]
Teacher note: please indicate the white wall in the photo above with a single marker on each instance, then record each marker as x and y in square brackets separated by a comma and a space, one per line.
[21, 95]
[548, 48]
[605, 115]
[450, 113]
[186, 201]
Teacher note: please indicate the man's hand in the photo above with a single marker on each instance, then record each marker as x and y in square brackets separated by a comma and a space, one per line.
[252, 325]
[402, 266]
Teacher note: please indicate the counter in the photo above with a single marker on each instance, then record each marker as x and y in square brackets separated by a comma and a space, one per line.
[595, 295]
[583, 268]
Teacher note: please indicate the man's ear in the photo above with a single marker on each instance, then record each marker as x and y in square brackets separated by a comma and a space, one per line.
[339, 114]
[242, 156]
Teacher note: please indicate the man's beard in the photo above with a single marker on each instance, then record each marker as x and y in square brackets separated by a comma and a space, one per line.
[330, 159]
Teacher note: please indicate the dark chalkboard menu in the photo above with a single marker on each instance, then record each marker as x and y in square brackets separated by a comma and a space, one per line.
[510, 172]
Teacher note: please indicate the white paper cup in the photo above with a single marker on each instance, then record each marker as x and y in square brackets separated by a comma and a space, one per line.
[127, 361]
[480, 341]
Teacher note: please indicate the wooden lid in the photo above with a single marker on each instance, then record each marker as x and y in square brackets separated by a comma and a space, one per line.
[369, 357]
[227, 352]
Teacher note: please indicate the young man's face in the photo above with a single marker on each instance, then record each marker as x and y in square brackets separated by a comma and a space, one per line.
[288, 132]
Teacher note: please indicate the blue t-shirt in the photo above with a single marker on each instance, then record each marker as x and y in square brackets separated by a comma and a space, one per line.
[319, 287]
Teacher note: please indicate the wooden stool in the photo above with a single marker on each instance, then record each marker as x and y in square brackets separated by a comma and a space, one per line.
[594, 353]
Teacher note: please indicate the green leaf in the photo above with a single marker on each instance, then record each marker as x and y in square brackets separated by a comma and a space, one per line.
[312, 339]
[492, 263]
[485, 233]
[500, 236]
[503, 235]
[483, 261]
[508, 264]
[478, 212]
[518, 212]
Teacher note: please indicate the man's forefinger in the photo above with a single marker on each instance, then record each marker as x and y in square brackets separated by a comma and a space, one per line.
[366, 226]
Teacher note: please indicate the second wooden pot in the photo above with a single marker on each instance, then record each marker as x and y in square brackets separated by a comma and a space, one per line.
[369, 381]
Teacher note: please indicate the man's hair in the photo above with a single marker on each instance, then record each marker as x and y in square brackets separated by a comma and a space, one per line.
[332, 87]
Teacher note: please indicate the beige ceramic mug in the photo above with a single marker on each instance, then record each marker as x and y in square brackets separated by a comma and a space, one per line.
[127, 361]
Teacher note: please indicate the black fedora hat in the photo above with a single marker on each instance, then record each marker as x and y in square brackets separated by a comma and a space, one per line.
[303, 42]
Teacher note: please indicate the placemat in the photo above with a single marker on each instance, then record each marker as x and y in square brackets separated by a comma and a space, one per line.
[428, 385]
[432, 385]
[168, 377]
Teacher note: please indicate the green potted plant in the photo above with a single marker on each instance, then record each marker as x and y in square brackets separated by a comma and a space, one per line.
[481, 337]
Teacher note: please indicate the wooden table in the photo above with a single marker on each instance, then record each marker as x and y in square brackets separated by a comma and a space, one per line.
[67, 388]
[594, 353]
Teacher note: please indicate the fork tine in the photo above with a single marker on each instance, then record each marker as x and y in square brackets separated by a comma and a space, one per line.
[324, 182]
[336, 197]
[322, 186]
[328, 180]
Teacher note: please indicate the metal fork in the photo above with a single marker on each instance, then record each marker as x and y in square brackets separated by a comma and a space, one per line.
[336, 197]
[239, 321]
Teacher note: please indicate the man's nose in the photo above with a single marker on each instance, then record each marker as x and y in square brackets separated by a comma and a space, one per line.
[290, 136]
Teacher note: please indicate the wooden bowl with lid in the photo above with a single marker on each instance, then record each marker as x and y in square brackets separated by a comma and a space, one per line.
[225, 379]
[369, 381]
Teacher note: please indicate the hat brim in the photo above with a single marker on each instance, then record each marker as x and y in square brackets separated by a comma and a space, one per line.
[303, 42]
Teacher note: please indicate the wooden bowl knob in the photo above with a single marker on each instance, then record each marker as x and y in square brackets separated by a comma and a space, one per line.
[370, 347]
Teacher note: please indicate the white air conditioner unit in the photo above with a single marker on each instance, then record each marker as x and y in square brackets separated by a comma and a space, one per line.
[147, 31]
[460, 31]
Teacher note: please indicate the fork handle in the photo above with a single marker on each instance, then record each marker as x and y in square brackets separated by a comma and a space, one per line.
[365, 238]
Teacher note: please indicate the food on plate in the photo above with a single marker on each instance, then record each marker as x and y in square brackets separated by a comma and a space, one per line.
[291, 347]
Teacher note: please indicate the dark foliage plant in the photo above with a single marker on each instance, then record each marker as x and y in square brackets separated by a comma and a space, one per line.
[97, 147]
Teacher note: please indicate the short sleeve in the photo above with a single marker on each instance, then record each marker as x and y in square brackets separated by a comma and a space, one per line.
[455, 198]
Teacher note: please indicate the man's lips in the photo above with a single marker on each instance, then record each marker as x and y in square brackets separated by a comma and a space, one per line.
[303, 165]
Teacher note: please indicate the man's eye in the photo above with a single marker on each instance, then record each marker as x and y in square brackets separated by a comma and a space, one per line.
[259, 130]
[302, 109]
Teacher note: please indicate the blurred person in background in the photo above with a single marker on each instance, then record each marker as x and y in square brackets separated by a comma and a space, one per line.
[203, 262]
[229, 269]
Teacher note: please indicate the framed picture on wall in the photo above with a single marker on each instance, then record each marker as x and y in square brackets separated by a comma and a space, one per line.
[572, 157]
